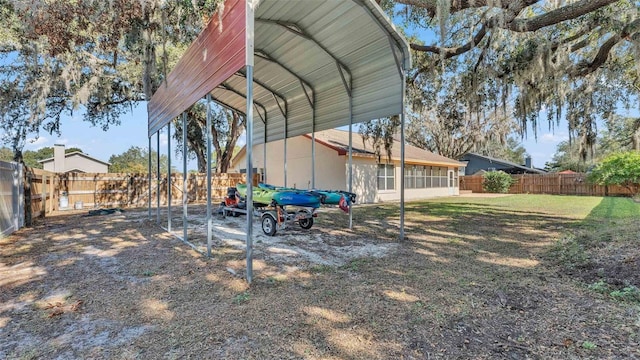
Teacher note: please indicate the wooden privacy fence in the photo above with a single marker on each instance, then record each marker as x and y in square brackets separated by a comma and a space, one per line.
[87, 190]
[558, 184]
[40, 193]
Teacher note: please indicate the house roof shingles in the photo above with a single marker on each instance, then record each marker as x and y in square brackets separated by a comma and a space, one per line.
[338, 140]
[75, 153]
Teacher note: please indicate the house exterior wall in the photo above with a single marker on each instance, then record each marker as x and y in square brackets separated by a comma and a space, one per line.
[76, 162]
[332, 172]
[49, 166]
[86, 165]
[329, 171]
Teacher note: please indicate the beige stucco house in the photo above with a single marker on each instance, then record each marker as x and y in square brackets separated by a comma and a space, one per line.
[73, 162]
[374, 180]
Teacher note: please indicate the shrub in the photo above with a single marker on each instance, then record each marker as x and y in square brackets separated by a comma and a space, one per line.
[497, 182]
[619, 169]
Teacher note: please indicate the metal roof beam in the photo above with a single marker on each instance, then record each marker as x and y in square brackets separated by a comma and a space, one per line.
[227, 106]
[283, 110]
[227, 87]
[275, 94]
[300, 31]
[303, 83]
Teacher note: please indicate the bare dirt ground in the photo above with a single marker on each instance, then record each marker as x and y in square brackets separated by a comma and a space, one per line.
[473, 286]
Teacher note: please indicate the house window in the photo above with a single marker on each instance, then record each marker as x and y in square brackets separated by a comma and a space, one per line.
[415, 177]
[428, 176]
[386, 177]
[444, 178]
[420, 177]
[410, 177]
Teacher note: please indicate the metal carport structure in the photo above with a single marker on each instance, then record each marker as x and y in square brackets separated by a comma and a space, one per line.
[300, 66]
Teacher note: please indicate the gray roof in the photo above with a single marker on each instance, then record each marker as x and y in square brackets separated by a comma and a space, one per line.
[75, 153]
[506, 163]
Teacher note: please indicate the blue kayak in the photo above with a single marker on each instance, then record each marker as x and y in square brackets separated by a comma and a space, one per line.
[327, 197]
[296, 198]
[265, 196]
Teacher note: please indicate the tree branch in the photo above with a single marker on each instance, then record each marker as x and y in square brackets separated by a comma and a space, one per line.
[506, 19]
[512, 9]
[568, 12]
[459, 5]
[455, 51]
[603, 53]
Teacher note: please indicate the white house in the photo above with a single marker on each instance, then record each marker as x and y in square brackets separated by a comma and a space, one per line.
[374, 180]
[73, 162]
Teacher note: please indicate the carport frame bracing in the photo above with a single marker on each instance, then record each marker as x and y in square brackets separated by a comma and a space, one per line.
[310, 58]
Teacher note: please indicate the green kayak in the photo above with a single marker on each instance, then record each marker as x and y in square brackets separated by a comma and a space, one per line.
[262, 196]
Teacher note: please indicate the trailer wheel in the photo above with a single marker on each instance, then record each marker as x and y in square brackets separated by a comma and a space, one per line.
[269, 225]
[306, 223]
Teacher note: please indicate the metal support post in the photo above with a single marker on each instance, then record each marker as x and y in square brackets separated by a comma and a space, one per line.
[209, 140]
[149, 175]
[313, 148]
[285, 152]
[249, 197]
[350, 158]
[402, 120]
[169, 177]
[185, 199]
[158, 173]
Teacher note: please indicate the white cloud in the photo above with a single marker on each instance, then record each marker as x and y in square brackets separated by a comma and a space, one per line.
[553, 138]
[36, 143]
[163, 139]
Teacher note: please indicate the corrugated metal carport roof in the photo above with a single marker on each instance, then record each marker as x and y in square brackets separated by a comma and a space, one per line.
[309, 54]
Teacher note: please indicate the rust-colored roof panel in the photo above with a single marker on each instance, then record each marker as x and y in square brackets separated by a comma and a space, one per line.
[221, 46]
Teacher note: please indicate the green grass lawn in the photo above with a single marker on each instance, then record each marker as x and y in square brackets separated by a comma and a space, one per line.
[575, 207]
[585, 208]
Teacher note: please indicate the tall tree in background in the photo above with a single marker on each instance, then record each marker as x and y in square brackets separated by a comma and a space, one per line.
[104, 56]
[511, 150]
[567, 157]
[136, 160]
[576, 60]
[226, 128]
[619, 135]
[453, 123]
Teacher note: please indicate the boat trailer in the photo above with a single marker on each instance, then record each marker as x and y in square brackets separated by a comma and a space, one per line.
[273, 217]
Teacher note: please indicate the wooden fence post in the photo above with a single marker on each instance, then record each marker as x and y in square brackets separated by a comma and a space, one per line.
[51, 193]
[27, 198]
[43, 202]
[128, 202]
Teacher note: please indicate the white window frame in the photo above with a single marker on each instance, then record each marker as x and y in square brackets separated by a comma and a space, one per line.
[389, 173]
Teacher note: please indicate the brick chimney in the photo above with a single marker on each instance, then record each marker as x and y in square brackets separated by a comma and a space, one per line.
[58, 158]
